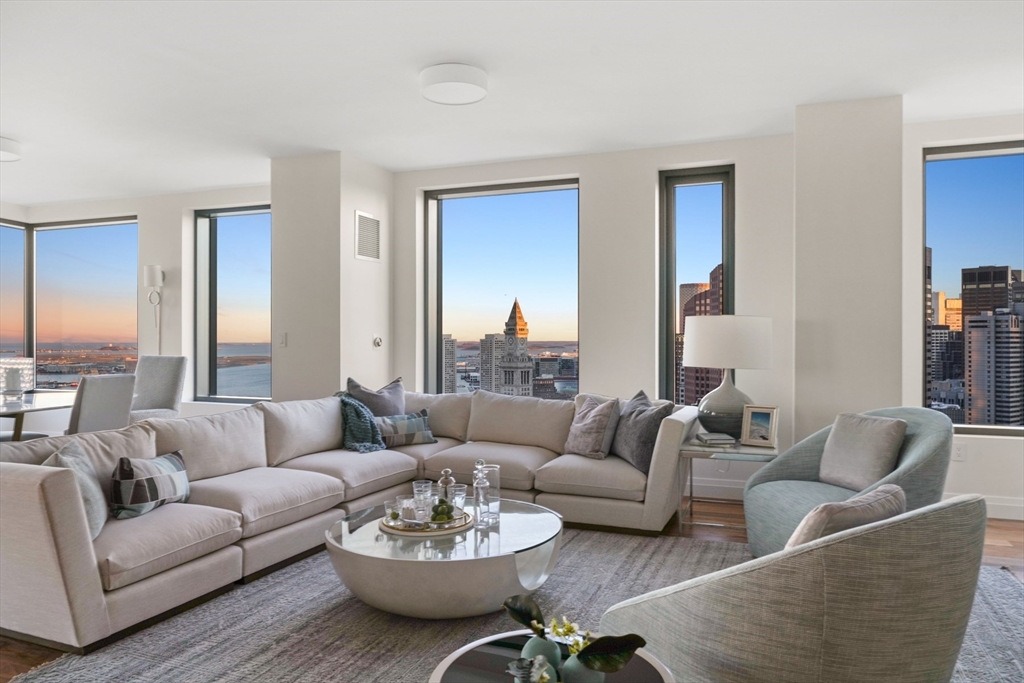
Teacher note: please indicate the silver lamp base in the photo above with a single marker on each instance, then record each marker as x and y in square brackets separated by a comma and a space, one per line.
[721, 410]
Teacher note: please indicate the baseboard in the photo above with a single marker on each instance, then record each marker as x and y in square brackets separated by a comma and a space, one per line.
[999, 507]
[709, 487]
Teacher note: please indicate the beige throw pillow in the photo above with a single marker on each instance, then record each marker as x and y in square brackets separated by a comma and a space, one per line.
[882, 503]
[861, 450]
[593, 428]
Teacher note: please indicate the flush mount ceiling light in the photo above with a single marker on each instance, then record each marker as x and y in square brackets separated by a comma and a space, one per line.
[453, 84]
[10, 150]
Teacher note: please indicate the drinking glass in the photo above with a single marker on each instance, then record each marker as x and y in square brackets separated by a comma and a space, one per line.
[493, 509]
[421, 488]
[458, 495]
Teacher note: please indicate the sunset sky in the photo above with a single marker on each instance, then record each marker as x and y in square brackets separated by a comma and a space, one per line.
[243, 278]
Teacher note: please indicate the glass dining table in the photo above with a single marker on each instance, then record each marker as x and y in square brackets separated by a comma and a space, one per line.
[32, 403]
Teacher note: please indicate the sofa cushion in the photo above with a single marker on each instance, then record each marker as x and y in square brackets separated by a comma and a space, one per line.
[129, 550]
[830, 518]
[361, 473]
[388, 400]
[269, 497]
[71, 456]
[578, 475]
[141, 485]
[103, 449]
[405, 430]
[448, 414]
[593, 429]
[295, 428]
[215, 445]
[637, 431]
[861, 450]
[519, 464]
[421, 451]
[522, 420]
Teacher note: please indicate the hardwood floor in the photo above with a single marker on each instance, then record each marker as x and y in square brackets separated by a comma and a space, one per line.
[1004, 547]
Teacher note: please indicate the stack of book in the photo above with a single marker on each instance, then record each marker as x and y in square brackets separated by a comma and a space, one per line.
[714, 439]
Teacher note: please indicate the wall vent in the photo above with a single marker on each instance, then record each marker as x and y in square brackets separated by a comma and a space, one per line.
[367, 237]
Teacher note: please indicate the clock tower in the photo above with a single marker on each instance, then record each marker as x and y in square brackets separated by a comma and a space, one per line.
[515, 371]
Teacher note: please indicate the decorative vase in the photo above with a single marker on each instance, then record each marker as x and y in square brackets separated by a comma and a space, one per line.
[721, 410]
[549, 648]
[574, 671]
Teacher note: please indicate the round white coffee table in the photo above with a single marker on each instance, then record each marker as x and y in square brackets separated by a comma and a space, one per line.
[446, 577]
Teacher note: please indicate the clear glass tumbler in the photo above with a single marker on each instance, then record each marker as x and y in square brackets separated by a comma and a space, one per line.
[493, 509]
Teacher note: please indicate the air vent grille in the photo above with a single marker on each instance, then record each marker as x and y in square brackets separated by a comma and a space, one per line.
[367, 237]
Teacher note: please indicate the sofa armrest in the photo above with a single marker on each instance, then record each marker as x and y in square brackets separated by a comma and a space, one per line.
[51, 582]
[663, 495]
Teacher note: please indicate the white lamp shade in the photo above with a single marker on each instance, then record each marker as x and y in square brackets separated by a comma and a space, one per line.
[453, 84]
[152, 276]
[728, 341]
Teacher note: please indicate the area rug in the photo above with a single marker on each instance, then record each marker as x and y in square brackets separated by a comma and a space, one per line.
[301, 624]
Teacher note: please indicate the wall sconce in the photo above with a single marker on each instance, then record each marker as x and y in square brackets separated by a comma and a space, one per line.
[153, 277]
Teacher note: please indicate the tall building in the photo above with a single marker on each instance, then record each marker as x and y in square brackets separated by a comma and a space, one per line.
[448, 376]
[516, 367]
[929, 319]
[994, 374]
[699, 381]
[985, 288]
[687, 291]
[492, 348]
[546, 365]
[951, 314]
[1017, 286]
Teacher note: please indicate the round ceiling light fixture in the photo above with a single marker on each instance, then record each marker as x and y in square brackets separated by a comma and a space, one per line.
[10, 150]
[453, 84]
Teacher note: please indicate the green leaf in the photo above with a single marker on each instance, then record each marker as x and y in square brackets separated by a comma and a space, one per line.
[526, 611]
[610, 653]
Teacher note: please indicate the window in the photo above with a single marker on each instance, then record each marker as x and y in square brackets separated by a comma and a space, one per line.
[502, 291]
[697, 269]
[974, 289]
[69, 299]
[233, 359]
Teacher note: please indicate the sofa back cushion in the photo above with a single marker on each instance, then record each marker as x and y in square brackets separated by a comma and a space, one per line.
[522, 420]
[214, 445]
[103, 449]
[447, 414]
[295, 428]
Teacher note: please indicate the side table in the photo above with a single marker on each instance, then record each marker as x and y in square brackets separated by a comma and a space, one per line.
[693, 449]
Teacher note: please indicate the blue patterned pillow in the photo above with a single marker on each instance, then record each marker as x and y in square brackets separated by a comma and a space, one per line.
[405, 430]
[144, 484]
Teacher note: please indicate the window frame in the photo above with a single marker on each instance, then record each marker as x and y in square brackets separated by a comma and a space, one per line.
[433, 266]
[669, 180]
[945, 153]
[205, 371]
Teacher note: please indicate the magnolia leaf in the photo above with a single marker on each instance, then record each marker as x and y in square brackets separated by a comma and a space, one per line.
[526, 611]
[610, 653]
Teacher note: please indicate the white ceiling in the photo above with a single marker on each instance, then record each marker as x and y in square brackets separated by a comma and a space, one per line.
[117, 99]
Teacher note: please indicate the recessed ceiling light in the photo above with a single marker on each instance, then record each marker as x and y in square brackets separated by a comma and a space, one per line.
[10, 150]
[453, 84]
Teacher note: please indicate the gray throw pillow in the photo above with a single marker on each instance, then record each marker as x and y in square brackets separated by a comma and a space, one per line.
[71, 456]
[880, 504]
[861, 450]
[593, 428]
[637, 431]
[384, 402]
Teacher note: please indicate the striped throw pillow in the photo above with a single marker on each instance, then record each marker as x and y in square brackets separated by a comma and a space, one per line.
[405, 430]
[144, 484]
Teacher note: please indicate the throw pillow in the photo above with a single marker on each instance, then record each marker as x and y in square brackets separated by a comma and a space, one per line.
[384, 402]
[637, 431]
[882, 503]
[593, 429]
[861, 450]
[144, 484]
[405, 430]
[71, 456]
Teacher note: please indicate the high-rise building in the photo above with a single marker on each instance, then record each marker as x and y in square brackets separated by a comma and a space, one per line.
[687, 291]
[994, 360]
[929, 319]
[1017, 286]
[516, 367]
[546, 365]
[985, 288]
[951, 314]
[568, 367]
[492, 348]
[699, 381]
[939, 338]
[448, 376]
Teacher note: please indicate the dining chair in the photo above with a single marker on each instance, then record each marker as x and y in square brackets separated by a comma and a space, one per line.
[159, 381]
[102, 402]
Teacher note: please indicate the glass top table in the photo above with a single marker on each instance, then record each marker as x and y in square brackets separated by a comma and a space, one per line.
[467, 573]
[33, 403]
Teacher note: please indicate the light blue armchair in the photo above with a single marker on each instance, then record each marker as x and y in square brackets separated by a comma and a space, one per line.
[778, 497]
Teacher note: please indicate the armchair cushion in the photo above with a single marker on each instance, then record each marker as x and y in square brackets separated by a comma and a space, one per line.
[774, 509]
[861, 450]
[879, 504]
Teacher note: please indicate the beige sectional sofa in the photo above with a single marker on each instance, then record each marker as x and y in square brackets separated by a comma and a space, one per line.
[265, 483]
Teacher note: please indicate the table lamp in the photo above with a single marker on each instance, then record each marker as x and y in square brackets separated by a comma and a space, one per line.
[728, 342]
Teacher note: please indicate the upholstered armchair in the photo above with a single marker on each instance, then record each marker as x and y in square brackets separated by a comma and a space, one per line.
[159, 381]
[887, 601]
[779, 495]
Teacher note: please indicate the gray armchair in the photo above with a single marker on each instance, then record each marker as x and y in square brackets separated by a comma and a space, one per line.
[159, 381]
[888, 601]
[779, 495]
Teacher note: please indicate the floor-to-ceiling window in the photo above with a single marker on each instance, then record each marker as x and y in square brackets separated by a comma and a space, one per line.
[233, 346]
[12, 292]
[503, 313]
[697, 271]
[974, 283]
